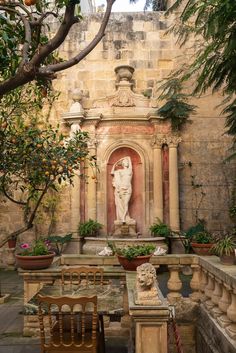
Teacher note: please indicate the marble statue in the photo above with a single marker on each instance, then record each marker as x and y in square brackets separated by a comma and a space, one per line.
[146, 285]
[122, 176]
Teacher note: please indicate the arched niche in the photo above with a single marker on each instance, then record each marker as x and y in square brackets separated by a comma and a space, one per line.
[136, 201]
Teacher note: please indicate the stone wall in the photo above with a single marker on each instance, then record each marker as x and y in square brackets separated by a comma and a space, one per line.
[139, 40]
[210, 338]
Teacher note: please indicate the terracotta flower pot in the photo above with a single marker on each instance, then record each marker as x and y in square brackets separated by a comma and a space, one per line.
[202, 249]
[131, 265]
[34, 262]
[11, 243]
[228, 259]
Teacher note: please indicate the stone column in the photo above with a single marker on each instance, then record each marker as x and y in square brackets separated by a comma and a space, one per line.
[157, 181]
[92, 184]
[173, 183]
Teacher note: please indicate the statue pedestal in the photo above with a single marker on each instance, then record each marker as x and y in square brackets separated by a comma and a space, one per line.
[127, 229]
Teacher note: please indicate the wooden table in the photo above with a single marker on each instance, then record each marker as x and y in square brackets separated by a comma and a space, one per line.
[110, 297]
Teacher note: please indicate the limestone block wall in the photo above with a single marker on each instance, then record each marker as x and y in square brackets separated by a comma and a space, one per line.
[140, 40]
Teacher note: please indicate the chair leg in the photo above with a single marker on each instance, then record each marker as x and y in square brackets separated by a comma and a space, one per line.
[103, 348]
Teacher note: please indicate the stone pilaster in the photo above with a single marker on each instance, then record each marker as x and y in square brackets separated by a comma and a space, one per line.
[157, 180]
[174, 184]
[92, 183]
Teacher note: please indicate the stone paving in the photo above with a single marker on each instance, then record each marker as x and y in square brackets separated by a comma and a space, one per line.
[11, 321]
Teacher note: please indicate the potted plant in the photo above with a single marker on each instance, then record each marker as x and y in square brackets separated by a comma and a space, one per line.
[186, 238]
[225, 249]
[131, 257]
[89, 228]
[202, 242]
[160, 229]
[11, 242]
[58, 242]
[36, 256]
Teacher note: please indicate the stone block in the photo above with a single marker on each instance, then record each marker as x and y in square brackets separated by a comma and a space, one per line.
[152, 37]
[165, 64]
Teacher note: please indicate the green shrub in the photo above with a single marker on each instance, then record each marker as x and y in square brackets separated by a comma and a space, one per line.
[224, 246]
[89, 228]
[131, 252]
[203, 238]
[59, 242]
[160, 229]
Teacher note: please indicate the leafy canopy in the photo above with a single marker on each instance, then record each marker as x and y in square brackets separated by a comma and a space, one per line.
[35, 156]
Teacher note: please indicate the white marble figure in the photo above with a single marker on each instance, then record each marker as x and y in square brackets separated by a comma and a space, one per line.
[106, 251]
[159, 251]
[122, 176]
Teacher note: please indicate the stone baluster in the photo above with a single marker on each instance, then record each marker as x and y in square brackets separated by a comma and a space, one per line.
[195, 283]
[174, 284]
[203, 283]
[208, 291]
[231, 314]
[216, 296]
[223, 304]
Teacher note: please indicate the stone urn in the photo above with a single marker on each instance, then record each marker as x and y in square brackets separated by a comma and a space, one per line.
[124, 72]
[38, 262]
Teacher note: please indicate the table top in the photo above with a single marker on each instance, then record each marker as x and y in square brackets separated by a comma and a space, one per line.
[110, 297]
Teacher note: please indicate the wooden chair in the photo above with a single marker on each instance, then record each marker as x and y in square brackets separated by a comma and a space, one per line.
[75, 276]
[82, 336]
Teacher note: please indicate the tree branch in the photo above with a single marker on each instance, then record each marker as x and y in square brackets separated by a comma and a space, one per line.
[41, 18]
[58, 39]
[11, 198]
[15, 234]
[29, 223]
[76, 59]
[30, 70]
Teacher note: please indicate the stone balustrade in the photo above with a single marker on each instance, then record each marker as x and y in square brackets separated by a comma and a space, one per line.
[212, 288]
[218, 293]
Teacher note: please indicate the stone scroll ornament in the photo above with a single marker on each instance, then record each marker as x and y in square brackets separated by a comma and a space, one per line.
[122, 176]
[146, 292]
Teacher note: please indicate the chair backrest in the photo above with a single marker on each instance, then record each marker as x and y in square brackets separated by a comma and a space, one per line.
[82, 274]
[76, 313]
